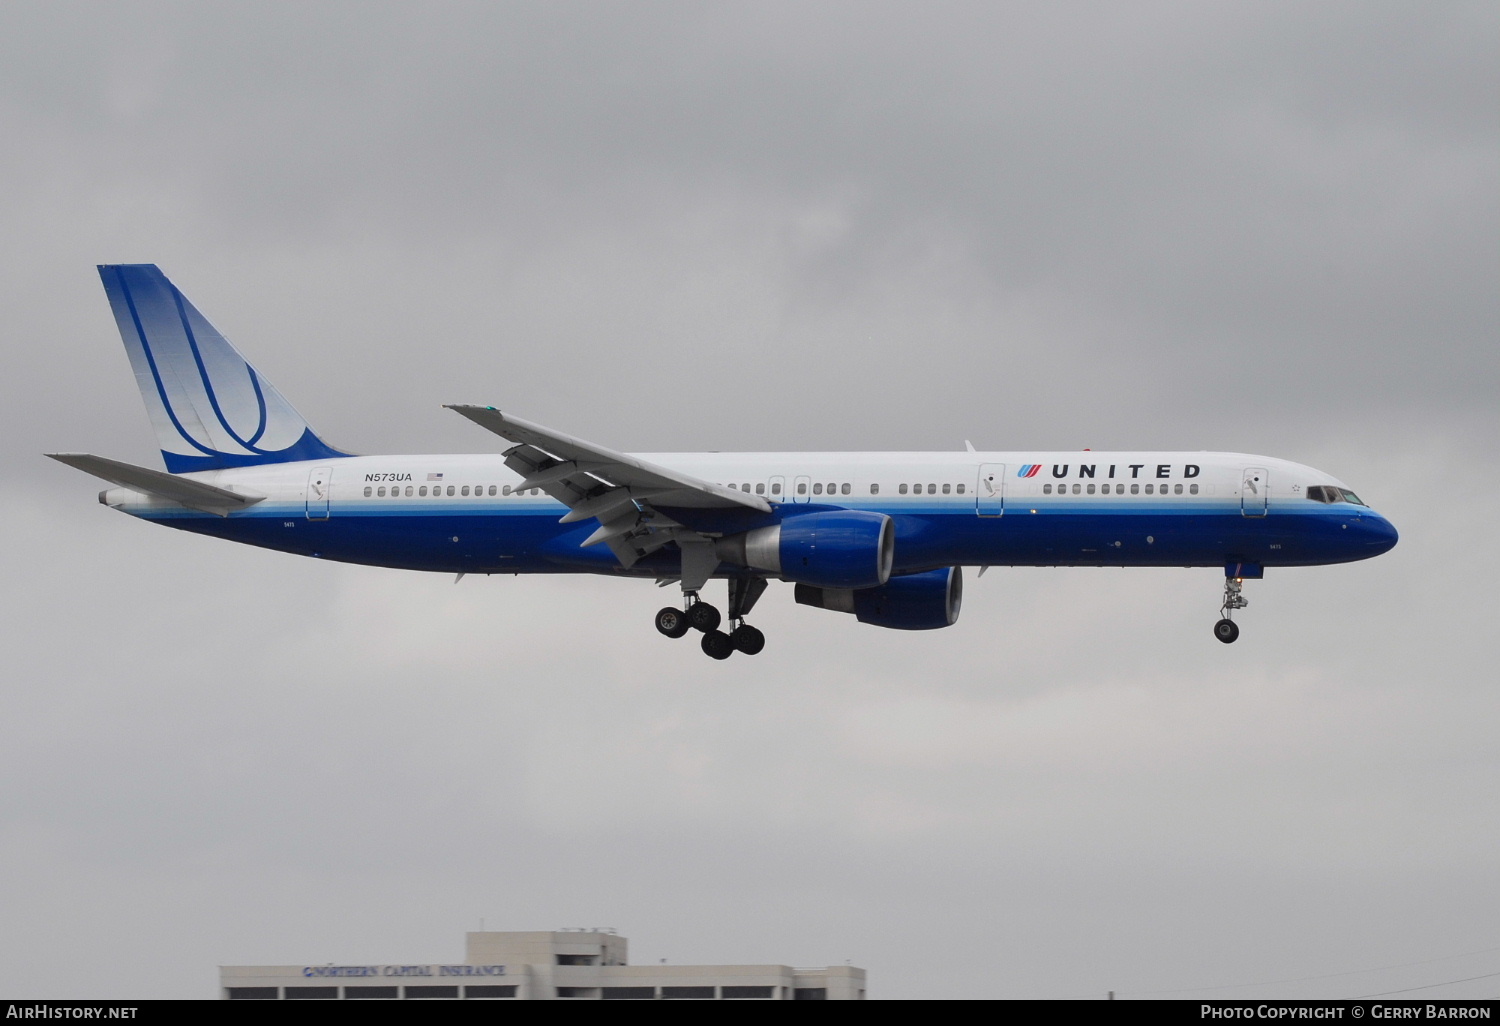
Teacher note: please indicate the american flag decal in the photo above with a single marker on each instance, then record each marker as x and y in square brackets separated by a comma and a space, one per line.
[434, 477]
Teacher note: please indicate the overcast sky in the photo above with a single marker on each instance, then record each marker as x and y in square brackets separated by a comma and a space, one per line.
[1262, 227]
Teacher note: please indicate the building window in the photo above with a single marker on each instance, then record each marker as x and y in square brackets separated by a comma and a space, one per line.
[694, 993]
[486, 990]
[356, 993]
[747, 992]
[810, 994]
[252, 993]
[311, 993]
[574, 992]
[431, 992]
[628, 993]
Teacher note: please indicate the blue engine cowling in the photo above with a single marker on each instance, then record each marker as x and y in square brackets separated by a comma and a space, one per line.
[916, 602]
[846, 548]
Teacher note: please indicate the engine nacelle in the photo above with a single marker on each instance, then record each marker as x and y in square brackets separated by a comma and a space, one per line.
[846, 548]
[916, 602]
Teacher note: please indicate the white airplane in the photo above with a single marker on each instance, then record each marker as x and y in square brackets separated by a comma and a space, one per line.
[883, 536]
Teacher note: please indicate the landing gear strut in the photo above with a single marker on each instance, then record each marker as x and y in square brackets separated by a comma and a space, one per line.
[699, 615]
[1226, 630]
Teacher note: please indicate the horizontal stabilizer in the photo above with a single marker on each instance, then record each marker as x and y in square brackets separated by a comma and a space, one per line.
[181, 490]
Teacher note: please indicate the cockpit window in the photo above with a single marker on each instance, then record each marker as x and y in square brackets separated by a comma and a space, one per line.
[1330, 493]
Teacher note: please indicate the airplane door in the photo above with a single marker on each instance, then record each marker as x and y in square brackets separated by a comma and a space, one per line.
[801, 489]
[989, 494]
[1255, 491]
[319, 484]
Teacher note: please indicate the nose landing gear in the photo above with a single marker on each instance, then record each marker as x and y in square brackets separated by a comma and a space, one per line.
[1226, 630]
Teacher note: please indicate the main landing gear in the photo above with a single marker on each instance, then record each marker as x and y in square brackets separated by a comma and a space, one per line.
[700, 616]
[1226, 630]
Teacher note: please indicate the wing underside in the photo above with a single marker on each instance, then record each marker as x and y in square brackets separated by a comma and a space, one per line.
[624, 494]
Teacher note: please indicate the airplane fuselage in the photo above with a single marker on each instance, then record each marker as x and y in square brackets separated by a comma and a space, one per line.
[462, 513]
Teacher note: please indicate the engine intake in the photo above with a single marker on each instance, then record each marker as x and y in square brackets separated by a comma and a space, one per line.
[916, 602]
[837, 549]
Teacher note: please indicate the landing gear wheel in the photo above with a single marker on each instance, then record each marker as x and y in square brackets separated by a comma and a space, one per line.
[747, 639]
[717, 645]
[703, 617]
[1226, 631]
[672, 622]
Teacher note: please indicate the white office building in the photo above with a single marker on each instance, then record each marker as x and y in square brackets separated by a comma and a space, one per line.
[569, 964]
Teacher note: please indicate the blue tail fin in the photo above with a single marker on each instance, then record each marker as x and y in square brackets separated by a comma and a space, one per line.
[210, 408]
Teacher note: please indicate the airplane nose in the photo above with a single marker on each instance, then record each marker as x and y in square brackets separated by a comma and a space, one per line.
[1378, 534]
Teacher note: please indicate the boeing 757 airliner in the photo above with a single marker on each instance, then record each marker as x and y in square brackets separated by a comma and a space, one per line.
[883, 536]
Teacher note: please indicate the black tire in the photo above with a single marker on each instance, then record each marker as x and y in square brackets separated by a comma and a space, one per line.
[703, 617]
[716, 645]
[672, 622]
[747, 639]
[1226, 631]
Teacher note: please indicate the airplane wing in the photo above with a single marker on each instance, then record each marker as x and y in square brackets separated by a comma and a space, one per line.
[618, 490]
[182, 490]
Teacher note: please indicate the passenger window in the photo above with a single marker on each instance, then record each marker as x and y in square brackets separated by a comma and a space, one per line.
[464, 490]
[381, 491]
[1177, 489]
[932, 489]
[802, 488]
[1091, 489]
[844, 488]
[369, 491]
[1192, 489]
[818, 488]
[422, 491]
[947, 489]
[776, 489]
[902, 489]
[1135, 489]
[1046, 489]
[760, 489]
[960, 489]
[1150, 489]
[874, 489]
[450, 489]
[1076, 489]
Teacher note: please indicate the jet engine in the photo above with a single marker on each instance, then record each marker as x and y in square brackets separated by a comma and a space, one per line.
[916, 602]
[847, 548]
